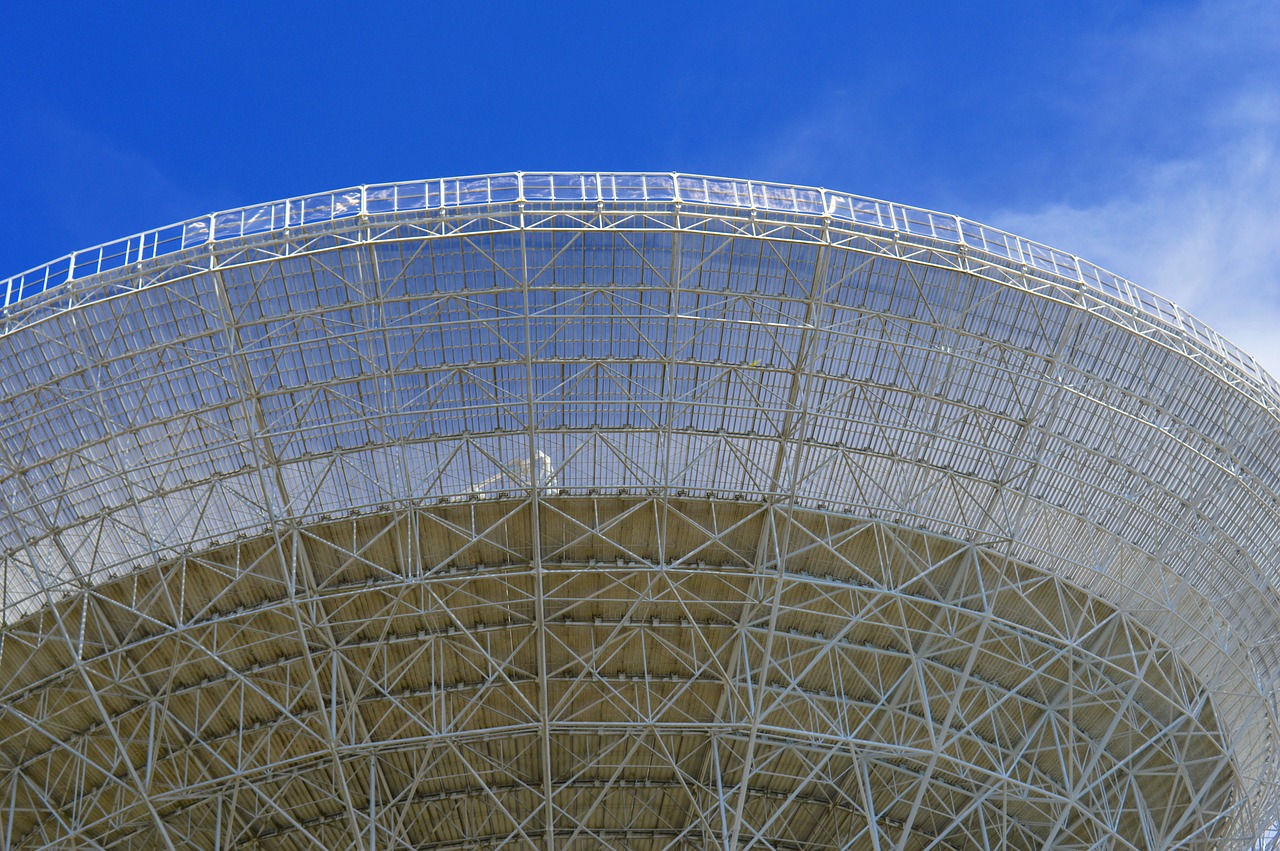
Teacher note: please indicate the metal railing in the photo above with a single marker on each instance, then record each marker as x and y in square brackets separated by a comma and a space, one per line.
[455, 192]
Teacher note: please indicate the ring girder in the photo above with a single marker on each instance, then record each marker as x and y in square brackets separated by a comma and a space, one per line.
[894, 669]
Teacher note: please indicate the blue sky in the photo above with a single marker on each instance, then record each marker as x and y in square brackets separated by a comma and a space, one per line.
[1144, 136]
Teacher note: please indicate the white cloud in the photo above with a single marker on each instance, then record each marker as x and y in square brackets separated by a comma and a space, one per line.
[1202, 228]
[1205, 233]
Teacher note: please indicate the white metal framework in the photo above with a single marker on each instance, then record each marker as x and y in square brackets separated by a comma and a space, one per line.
[635, 511]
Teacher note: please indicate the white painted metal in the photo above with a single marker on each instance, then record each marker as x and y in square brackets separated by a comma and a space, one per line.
[657, 511]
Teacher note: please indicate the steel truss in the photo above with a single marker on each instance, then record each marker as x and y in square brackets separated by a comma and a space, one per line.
[657, 522]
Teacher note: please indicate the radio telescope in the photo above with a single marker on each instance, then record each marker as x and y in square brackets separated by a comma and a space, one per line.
[645, 511]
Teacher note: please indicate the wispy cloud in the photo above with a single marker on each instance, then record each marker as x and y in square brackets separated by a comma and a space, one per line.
[1200, 224]
[85, 186]
[800, 148]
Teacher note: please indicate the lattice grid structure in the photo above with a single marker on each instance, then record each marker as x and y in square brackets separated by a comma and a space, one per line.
[628, 511]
